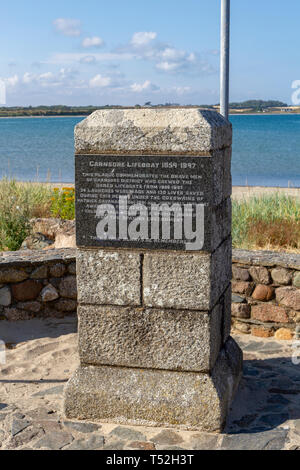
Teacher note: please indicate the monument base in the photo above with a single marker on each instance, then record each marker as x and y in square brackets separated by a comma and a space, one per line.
[187, 400]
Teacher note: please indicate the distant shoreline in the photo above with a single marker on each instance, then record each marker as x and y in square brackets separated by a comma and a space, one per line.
[238, 192]
[86, 115]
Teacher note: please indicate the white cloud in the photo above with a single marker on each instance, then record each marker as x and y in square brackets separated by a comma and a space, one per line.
[99, 81]
[146, 86]
[95, 41]
[11, 82]
[73, 57]
[142, 38]
[68, 27]
[167, 66]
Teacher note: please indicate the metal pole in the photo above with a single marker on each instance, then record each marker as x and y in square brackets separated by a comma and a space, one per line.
[225, 57]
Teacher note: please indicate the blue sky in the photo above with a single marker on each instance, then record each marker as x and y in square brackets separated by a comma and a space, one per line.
[129, 52]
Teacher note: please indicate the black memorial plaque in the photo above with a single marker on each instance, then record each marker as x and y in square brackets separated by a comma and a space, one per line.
[101, 180]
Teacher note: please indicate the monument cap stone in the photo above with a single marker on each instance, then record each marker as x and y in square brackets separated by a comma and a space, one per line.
[156, 131]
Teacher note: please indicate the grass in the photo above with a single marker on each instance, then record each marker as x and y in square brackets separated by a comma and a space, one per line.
[267, 222]
[263, 223]
[20, 202]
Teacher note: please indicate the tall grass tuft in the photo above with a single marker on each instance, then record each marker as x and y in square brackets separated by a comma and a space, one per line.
[267, 222]
[19, 202]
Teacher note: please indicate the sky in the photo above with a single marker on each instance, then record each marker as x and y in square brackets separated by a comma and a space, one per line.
[129, 52]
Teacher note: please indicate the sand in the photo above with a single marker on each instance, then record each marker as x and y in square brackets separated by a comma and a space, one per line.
[43, 355]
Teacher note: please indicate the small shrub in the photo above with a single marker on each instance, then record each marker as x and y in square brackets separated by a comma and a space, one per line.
[19, 202]
[63, 203]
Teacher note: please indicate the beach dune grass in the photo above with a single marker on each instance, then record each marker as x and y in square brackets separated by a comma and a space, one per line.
[20, 202]
[267, 222]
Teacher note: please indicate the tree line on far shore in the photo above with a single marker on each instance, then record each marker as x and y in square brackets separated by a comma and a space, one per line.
[61, 110]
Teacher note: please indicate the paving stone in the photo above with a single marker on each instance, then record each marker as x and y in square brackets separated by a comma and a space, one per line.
[268, 440]
[127, 434]
[18, 425]
[116, 445]
[203, 442]
[54, 440]
[138, 445]
[25, 437]
[167, 437]
[92, 443]
[50, 391]
[82, 427]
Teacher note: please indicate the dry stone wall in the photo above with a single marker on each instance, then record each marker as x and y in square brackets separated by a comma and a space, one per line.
[37, 284]
[265, 289]
[266, 293]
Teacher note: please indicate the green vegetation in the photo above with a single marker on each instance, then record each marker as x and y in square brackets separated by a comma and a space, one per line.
[267, 222]
[43, 111]
[20, 202]
[63, 203]
[258, 105]
[61, 110]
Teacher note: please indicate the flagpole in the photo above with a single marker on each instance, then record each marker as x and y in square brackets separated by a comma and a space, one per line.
[225, 57]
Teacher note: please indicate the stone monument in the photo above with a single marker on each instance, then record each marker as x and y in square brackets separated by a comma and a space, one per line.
[153, 218]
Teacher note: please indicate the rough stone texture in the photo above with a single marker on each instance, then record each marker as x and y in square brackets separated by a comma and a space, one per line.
[150, 338]
[284, 334]
[263, 293]
[269, 313]
[226, 302]
[152, 131]
[281, 276]
[15, 314]
[40, 273]
[268, 259]
[49, 293]
[241, 310]
[189, 281]
[260, 274]
[156, 397]
[240, 274]
[33, 306]
[12, 275]
[109, 277]
[240, 287]
[58, 270]
[66, 305]
[28, 290]
[68, 287]
[296, 280]
[5, 297]
[262, 332]
[289, 297]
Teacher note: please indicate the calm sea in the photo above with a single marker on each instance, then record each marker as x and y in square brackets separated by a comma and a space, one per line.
[266, 149]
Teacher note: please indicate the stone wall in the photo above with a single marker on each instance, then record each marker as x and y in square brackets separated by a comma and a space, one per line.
[37, 284]
[265, 301]
[266, 293]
